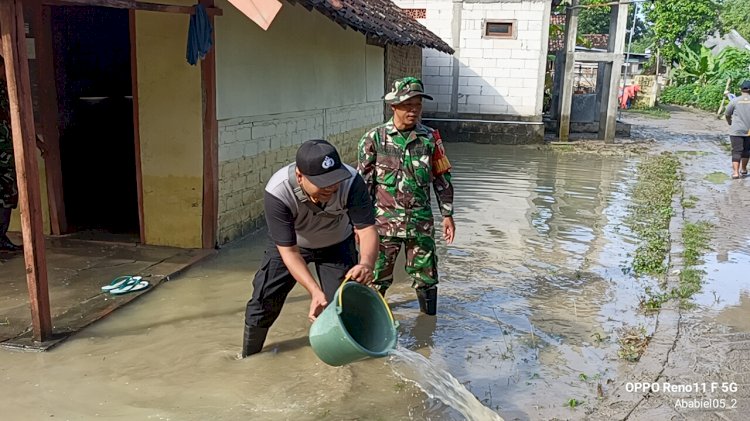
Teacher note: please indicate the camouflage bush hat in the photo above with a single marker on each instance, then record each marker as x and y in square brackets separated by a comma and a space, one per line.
[405, 88]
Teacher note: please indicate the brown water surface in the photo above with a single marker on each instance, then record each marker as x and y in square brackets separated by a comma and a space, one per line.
[532, 295]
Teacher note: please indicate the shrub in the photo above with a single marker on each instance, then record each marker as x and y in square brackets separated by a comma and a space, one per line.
[678, 95]
[709, 96]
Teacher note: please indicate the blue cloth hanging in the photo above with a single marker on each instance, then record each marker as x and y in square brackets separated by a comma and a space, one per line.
[199, 35]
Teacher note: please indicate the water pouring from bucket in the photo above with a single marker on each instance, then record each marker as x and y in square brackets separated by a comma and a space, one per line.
[357, 325]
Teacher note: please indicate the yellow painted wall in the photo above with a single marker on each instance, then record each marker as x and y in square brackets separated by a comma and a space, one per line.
[15, 219]
[304, 61]
[171, 130]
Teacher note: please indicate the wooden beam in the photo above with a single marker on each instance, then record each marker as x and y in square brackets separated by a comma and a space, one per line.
[136, 125]
[593, 57]
[210, 216]
[133, 5]
[13, 38]
[49, 123]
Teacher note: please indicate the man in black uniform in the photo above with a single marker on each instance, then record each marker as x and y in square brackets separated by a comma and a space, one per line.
[313, 208]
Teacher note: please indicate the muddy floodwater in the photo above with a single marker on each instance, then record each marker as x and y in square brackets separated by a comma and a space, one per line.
[533, 293]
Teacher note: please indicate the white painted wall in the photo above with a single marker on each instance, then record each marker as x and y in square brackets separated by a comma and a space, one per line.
[496, 76]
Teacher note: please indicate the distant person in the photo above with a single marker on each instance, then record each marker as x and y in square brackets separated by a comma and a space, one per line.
[399, 161]
[313, 207]
[628, 95]
[738, 118]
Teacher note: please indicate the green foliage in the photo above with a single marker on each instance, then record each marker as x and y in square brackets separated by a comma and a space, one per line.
[735, 14]
[697, 66]
[709, 96]
[678, 94]
[701, 77]
[595, 19]
[651, 212]
[680, 22]
[702, 66]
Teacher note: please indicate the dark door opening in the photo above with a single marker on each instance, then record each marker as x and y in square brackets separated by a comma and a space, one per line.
[93, 76]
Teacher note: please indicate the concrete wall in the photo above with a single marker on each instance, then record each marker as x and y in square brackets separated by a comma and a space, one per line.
[499, 77]
[171, 131]
[400, 61]
[305, 78]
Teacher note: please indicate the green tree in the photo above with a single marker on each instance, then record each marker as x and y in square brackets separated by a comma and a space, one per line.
[735, 14]
[594, 19]
[681, 22]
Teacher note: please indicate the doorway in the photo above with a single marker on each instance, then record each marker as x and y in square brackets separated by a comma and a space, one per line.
[97, 147]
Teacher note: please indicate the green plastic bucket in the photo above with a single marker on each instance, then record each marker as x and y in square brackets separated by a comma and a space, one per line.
[357, 325]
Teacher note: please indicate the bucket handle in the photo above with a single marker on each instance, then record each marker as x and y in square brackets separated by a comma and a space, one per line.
[385, 303]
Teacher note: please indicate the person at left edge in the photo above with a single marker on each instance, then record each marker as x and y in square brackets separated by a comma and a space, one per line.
[313, 208]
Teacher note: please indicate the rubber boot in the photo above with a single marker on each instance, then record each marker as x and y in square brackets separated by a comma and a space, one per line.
[427, 300]
[253, 340]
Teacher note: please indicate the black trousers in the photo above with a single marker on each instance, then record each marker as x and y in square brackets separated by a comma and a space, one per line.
[740, 147]
[273, 282]
[4, 221]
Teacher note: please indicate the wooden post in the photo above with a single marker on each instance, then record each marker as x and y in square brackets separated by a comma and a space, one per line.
[27, 169]
[566, 97]
[49, 124]
[136, 125]
[210, 216]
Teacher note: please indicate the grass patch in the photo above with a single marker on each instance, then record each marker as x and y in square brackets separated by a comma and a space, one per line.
[653, 112]
[695, 237]
[689, 202]
[717, 177]
[651, 212]
[633, 343]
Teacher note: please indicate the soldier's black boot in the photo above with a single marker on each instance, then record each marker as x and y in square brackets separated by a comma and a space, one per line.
[427, 300]
[253, 340]
[5, 243]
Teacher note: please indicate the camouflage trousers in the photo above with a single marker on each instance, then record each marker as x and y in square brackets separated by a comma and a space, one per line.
[421, 261]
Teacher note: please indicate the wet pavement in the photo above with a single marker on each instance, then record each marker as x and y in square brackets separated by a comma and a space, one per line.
[708, 343]
[76, 270]
[533, 295]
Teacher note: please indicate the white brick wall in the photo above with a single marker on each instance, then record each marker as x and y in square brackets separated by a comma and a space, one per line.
[508, 69]
[251, 149]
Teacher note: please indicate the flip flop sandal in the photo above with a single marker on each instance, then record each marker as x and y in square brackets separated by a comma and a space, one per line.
[136, 285]
[735, 177]
[117, 283]
[743, 173]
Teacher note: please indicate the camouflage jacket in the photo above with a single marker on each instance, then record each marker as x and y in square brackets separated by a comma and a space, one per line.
[398, 169]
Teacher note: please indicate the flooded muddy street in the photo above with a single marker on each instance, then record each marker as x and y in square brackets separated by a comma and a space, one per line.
[534, 295]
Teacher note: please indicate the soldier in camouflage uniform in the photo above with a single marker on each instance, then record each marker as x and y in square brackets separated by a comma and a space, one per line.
[399, 160]
[8, 187]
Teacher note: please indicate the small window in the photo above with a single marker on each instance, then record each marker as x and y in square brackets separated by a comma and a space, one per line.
[500, 29]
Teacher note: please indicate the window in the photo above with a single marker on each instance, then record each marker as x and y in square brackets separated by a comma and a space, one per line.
[416, 13]
[500, 29]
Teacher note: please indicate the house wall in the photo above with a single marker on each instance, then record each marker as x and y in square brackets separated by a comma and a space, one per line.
[487, 78]
[170, 129]
[304, 78]
[400, 61]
